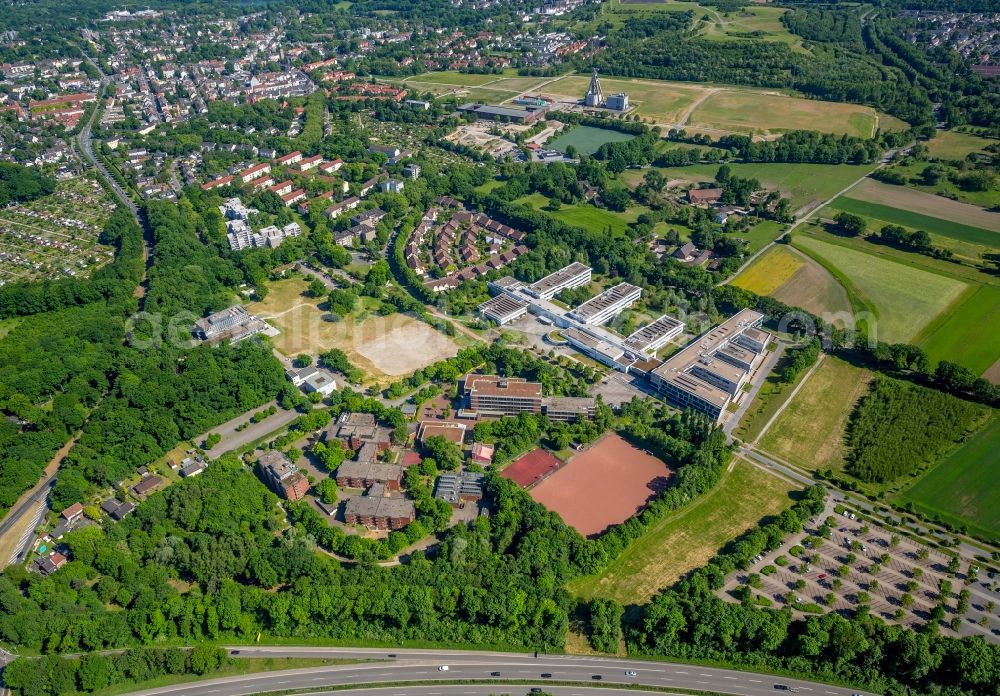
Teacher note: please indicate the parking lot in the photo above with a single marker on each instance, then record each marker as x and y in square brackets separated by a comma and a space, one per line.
[839, 564]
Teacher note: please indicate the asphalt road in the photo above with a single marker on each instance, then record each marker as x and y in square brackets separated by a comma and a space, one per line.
[423, 666]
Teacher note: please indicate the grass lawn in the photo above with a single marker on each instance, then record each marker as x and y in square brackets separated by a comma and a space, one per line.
[914, 220]
[762, 234]
[806, 185]
[810, 431]
[964, 488]
[586, 139]
[959, 335]
[951, 145]
[770, 271]
[728, 26]
[769, 398]
[689, 537]
[660, 100]
[747, 111]
[904, 299]
[489, 185]
[585, 215]
[452, 77]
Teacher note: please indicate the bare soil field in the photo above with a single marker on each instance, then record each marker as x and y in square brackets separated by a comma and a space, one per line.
[814, 289]
[382, 346]
[926, 204]
[398, 345]
[603, 486]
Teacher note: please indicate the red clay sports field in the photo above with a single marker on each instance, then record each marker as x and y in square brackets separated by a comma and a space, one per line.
[602, 486]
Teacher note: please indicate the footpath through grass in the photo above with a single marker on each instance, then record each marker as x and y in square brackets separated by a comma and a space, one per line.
[810, 431]
[689, 537]
[964, 488]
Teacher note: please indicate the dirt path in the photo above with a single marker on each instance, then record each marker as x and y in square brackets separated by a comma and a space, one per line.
[682, 121]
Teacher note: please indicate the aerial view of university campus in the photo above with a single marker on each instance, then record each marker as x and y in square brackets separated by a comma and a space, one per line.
[477, 347]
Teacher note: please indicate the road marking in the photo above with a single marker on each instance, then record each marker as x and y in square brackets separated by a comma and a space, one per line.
[755, 681]
[681, 672]
[733, 678]
[705, 675]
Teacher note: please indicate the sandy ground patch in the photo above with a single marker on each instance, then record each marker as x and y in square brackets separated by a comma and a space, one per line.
[926, 204]
[405, 346]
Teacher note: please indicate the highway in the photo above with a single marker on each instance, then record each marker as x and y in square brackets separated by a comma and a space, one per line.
[394, 666]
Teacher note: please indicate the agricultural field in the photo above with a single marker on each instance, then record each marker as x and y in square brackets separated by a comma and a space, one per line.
[960, 336]
[770, 271]
[810, 431]
[585, 215]
[964, 488]
[805, 185]
[951, 145]
[381, 346]
[689, 537]
[586, 140]
[766, 113]
[927, 211]
[905, 299]
[56, 236]
[797, 280]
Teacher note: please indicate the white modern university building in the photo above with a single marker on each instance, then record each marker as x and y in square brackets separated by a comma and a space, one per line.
[582, 327]
[711, 371]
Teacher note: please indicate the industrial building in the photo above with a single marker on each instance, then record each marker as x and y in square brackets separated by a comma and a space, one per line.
[601, 309]
[708, 373]
[506, 114]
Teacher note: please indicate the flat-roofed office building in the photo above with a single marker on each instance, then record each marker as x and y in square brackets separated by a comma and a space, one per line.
[572, 276]
[506, 396]
[503, 309]
[712, 369]
[601, 309]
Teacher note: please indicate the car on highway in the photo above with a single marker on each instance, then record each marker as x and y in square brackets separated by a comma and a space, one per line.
[494, 674]
[596, 677]
[546, 675]
[781, 687]
[629, 673]
[536, 690]
[443, 668]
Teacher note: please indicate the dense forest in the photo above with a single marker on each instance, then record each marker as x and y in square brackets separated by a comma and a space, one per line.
[898, 427]
[22, 184]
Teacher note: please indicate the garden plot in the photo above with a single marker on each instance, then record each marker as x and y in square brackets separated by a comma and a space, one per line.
[55, 236]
